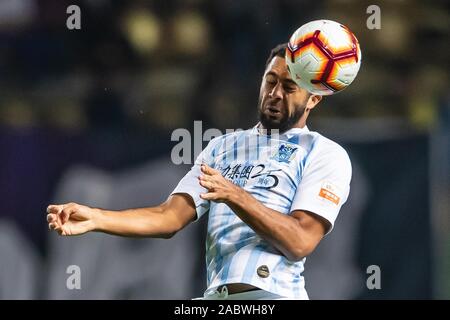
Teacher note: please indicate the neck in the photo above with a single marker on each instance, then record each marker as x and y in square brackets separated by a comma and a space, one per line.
[260, 128]
[301, 123]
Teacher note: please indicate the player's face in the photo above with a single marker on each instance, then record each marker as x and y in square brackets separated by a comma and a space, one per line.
[282, 102]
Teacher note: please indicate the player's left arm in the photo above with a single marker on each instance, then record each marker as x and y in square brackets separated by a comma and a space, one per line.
[295, 235]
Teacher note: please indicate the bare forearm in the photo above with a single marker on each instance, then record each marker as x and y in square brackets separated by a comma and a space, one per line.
[143, 222]
[163, 221]
[295, 235]
[280, 230]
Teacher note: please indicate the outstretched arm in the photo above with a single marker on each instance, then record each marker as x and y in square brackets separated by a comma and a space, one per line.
[295, 235]
[162, 221]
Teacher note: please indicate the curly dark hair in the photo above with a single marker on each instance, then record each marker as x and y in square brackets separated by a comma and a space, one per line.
[278, 51]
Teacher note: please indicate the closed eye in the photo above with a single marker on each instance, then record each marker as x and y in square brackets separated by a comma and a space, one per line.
[289, 89]
[271, 80]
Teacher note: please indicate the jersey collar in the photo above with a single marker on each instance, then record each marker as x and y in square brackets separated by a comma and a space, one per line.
[288, 134]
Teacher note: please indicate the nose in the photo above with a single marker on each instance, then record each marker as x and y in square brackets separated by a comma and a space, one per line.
[276, 92]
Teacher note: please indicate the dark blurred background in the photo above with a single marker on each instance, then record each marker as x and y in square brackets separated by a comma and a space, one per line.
[87, 115]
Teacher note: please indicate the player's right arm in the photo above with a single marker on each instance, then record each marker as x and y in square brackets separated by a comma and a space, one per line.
[183, 206]
[162, 221]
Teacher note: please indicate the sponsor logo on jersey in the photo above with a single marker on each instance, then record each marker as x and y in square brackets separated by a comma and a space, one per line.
[285, 153]
[329, 192]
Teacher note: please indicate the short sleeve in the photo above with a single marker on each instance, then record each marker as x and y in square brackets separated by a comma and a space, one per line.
[325, 183]
[190, 185]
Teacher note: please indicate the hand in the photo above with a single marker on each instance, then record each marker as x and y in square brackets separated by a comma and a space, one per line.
[219, 188]
[70, 219]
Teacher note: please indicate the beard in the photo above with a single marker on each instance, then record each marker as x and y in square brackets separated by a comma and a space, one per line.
[284, 122]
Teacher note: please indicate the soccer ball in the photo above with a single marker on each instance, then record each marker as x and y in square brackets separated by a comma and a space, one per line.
[323, 57]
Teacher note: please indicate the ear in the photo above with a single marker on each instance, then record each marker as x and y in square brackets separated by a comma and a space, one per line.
[313, 100]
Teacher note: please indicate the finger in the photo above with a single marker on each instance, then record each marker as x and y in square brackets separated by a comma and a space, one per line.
[53, 225]
[205, 178]
[59, 228]
[60, 231]
[55, 212]
[203, 183]
[51, 217]
[67, 212]
[209, 196]
[206, 184]
[55, 208]
[63, 217]
[208, 170]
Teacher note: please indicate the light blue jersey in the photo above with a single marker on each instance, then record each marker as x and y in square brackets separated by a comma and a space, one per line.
[297, 170]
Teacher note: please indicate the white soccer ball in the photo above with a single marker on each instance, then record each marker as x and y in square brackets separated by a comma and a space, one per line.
[323, 57]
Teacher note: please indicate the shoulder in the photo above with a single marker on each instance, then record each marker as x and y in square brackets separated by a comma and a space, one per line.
[226, 139]
[327, 145]
[327, 149]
